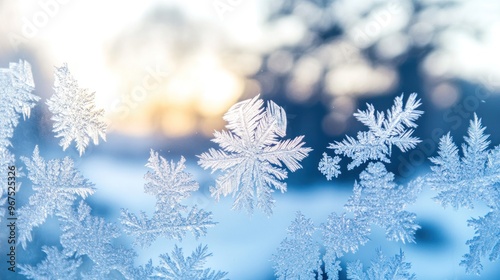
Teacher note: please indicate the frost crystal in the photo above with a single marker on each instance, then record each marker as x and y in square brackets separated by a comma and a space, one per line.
[341, 235]
[485, 243]
[463, 181]
[385, 130]
[86, 235]
[378, 200]
[55, 266]
[56, 184]
[252, 156]
[16, 86]
[298, 255]
[177, 267]
[382, 268]
[74, 112]
[170, 184]
[329, 166]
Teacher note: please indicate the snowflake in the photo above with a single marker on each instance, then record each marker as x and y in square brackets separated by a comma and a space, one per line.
[385, 130]
[382, 268]
[298, 255]
[56, 185]
[74, 112]
[329, 166]
[16, 86]
[55, 266]
[177, 267]
[378, 200]
[170, 184]
[252, 156]
[342, 235]
[86, 235]
[463, 181]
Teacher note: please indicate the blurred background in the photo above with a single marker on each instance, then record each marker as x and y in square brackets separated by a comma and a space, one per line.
[166, 72]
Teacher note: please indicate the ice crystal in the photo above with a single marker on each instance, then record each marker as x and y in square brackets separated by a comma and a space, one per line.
[464, 181]
[394, 268]
[56, 185]
[16, 97]
[90, 236]
[252, 156]
[472, 178]
[395, 127]
[486, 242]
[143, 271]
[170, 184]
[329, 166]
[178, 267]
[342, 235]
[56, 265]
[74, 112]
[298, 256]
[378, 200]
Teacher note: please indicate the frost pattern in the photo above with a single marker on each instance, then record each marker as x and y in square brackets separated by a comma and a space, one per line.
[395, 127]
[90, 236]
[74, 112]
[378, 200]
[329, 166]
[342, 235]
[56, 265]
[486, 241]
[298, 256]
[252, 156]
[16, 97]
[170, 184]
[56, 185]
[394, 268]
[177, 267]
[462, 181]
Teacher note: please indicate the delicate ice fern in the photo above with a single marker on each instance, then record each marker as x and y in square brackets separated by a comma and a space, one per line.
[485, 243]
[56, 185]
[395, 127]
[55, 266]
[252, 156]
[177, 267]
[298, 256]
[74, 112]
[472, 178]
[463, 181]
[16, 98]
[378, 200]
[170, 184]
[342, 235]
[86, 235]
[382, 268]
[16, 87]
[329, 166]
